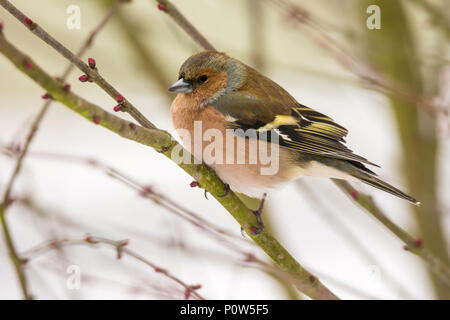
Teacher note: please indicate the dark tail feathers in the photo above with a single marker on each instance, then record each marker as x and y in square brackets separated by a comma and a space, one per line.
[380, 184]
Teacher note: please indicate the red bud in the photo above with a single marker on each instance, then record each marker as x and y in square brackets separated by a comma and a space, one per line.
[419, 242]
[28, 21]
[54, 244]
[161, 7]
[91, 63]
[83, 78]
[29, 65]
[46, 96]
[164, 149]
[194, 184]
[89, 239]
[67, 87]
[146, 191]
[119, 98]
[11, 200]
[96, 120]
[1, 26]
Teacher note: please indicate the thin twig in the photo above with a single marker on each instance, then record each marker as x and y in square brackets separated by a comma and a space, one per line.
[172, 11]
[144, 190]
[120, 247]
[414, 245]
[146, 58]
[32, 133]
[159, 199]
[350, 238]
[300, 16]
[164, 143]
[92, 73]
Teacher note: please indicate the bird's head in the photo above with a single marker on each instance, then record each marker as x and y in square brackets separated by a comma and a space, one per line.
[208, 75]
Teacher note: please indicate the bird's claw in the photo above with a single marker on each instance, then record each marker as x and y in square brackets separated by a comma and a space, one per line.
[195, 184]
[255, 231]
[227, 191]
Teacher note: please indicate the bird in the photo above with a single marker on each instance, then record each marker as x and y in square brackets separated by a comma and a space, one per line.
[221, 97]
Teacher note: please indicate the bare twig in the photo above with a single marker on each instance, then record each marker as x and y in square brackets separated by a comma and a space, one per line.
[300, 16]
[348, 236]
[120, 247]
[172, 11]
[163, 142]
[147, 58]
[91, 73]
[145, 191]
[414, 245]
[34, 127]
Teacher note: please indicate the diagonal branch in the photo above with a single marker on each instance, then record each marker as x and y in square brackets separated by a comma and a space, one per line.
[172, 11]
[435, 264]
[412, 244]
[92, 73]
[163, 142]
[121, 248]
[34, 127]
[301, 17]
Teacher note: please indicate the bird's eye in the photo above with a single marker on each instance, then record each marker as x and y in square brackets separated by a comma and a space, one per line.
[202, 79]
[182, 75]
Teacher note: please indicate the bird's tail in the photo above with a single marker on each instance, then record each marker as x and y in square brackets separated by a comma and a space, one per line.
[380, 184]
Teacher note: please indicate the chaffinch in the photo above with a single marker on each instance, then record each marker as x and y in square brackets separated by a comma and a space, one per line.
[220, 97]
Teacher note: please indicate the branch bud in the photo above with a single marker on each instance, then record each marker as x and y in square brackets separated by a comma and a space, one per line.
[83, 78]
[91, 63]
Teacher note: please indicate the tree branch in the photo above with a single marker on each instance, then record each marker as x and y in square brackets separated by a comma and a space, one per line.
[172, 11]
[412, 244]
[92, 73]
[121, 248]
[372, 77]
[163, 142]
[34, 127]
[302, 16]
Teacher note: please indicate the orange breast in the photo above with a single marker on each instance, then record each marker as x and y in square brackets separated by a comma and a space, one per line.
[236, 160]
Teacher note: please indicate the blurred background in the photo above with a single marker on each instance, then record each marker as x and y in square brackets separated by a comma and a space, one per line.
[390, 87]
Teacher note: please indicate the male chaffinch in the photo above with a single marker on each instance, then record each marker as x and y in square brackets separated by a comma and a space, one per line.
[226, 96]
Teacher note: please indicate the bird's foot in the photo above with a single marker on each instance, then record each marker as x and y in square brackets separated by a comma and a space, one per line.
[195, 184]
[227, 191]
[255, 231]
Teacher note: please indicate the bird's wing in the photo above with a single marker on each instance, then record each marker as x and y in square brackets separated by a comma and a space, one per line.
[297, 127]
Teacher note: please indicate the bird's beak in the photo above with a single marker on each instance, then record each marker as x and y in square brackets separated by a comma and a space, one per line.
[181, 86]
